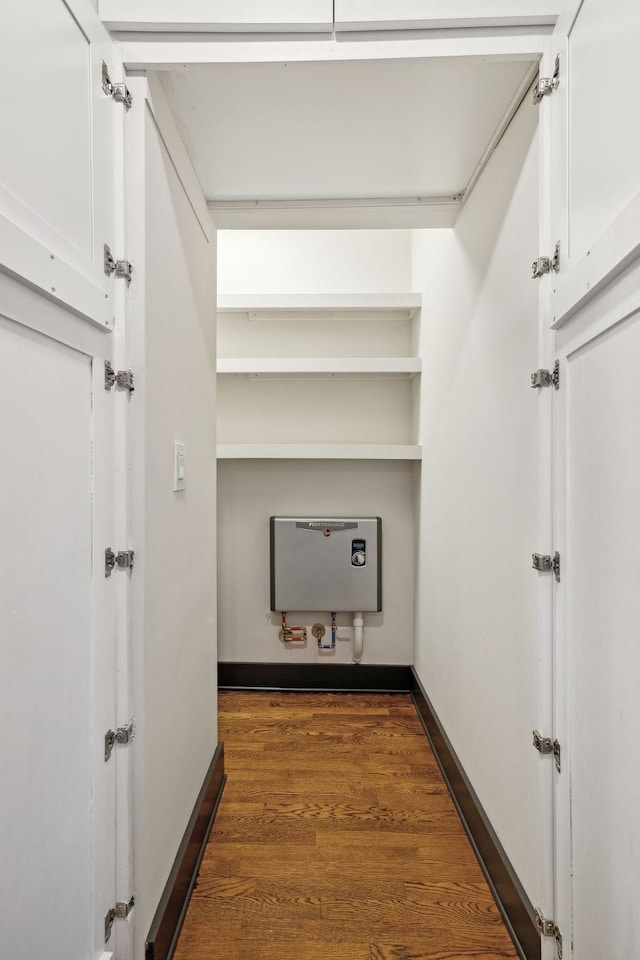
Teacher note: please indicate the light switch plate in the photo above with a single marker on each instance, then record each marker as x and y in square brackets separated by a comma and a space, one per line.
[178, 466]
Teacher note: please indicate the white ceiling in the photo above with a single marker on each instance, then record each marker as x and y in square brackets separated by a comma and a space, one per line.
[349, 129]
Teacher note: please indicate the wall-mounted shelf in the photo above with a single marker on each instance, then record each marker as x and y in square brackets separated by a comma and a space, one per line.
[401, 303]
[318, 376]
[318, 451]
[330, 365]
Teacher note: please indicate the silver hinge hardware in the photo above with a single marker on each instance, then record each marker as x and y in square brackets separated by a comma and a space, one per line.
[124, 559]
[124, 379]
[547, 378]
[118, 91]
[543, 563]
[121, 911]
[546, 264]
[548, 928]
[123, 736]
[542, 744]
[122, 268]
[546, 85]
[546, 745]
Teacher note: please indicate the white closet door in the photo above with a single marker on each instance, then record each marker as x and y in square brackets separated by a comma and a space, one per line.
[598, 708]
[57, 511]
[56, 181]
[57, 624]
[219, 16]
[595, 304]
[596, 176]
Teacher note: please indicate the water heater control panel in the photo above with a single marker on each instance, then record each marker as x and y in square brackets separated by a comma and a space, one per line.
[358, 553]
[326, 563]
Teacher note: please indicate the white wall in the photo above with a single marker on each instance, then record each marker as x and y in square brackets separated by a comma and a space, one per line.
[476, 647]
[252, 491]
[306, 410]
[267, 335]
[314, 261]
[176, 679]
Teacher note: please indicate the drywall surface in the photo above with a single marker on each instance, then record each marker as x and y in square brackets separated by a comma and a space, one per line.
[180, 662]
[252, 491]
[476, 647]
[314, 261]
[306, 410]
[367, 334]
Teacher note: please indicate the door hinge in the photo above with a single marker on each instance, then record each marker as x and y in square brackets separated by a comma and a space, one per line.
[122, 268]
[547, 378]
[124, 379]
[546, 85]
[118, 91]
[124, 559]
[121, 911]
[546, 745]
[548, 928]
[543, 563]
[123, 736]
[546, 264]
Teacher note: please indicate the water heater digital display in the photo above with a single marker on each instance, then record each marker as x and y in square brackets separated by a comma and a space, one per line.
[326, 563]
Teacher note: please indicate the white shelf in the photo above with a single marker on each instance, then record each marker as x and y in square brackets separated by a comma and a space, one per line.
[348, 365]
[407, 303]
[318, 451]
[292, 401]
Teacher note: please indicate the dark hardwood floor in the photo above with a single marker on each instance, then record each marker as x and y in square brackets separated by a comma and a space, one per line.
[336, 839]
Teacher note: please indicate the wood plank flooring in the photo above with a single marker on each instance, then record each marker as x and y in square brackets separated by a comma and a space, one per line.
[336, 839]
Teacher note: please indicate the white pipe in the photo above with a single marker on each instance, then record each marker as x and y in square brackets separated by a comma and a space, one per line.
[358, 637]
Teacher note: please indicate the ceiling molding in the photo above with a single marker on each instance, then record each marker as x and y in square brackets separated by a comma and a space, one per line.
[310, 203]
[178, 54]
[336, 214]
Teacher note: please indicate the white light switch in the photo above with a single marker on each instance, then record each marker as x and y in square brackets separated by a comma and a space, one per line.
[178, 466]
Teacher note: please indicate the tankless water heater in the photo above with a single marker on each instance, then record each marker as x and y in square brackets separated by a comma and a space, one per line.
[326, 563]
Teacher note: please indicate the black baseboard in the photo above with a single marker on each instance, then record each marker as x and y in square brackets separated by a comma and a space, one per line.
[515, 907]
[167, 923]
[336, 677]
